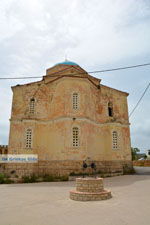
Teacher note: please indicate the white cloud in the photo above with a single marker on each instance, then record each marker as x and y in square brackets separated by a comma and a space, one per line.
[37, 27]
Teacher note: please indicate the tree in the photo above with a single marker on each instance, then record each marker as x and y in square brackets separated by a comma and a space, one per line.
[134, 152]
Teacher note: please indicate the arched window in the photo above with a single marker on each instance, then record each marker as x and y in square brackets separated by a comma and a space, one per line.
[32, 106]
[75, 101]
[110, 109]
[75, 134]
[114, 140]
[28, 143]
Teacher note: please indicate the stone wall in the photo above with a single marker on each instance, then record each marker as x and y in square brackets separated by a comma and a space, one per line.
[145, 163]
[67, 167]
[89, 185]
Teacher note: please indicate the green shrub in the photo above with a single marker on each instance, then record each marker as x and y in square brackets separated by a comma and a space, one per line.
[30, 179]
[5, 179]
[64, 178]
[51, 178]
[48, 178]
[8, 181]
[7, 176]
[2, 178]
[72, 174]
[79, 174]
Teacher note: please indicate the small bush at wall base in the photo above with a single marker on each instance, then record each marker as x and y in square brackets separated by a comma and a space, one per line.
[30, 179]
[2, 177]
[46, 178]
[5, 180]
[64, 178]
[50, 178]
[127, 171]
[79, 174]
[9, 181]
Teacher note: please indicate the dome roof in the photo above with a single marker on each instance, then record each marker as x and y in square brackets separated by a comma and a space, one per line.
[67, 63]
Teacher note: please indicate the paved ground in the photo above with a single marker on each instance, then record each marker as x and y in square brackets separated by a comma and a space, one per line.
[49, 203]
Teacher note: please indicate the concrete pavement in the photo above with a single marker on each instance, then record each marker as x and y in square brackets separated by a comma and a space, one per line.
[49, 203]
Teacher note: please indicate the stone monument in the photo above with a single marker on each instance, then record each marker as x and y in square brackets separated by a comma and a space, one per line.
[89, 189]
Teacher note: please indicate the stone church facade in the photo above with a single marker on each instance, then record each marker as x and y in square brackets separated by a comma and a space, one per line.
[68, 117]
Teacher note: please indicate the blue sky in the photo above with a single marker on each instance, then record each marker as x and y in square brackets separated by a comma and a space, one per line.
[97, 34]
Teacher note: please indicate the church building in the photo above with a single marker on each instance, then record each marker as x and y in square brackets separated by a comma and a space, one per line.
[69, 117]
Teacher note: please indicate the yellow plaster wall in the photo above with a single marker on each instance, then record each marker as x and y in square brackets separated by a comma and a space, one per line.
[53, 120]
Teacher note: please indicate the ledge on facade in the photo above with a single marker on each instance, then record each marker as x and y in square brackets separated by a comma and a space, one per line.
[126, 123]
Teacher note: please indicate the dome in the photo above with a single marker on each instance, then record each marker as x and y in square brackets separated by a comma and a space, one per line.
[70, 63]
